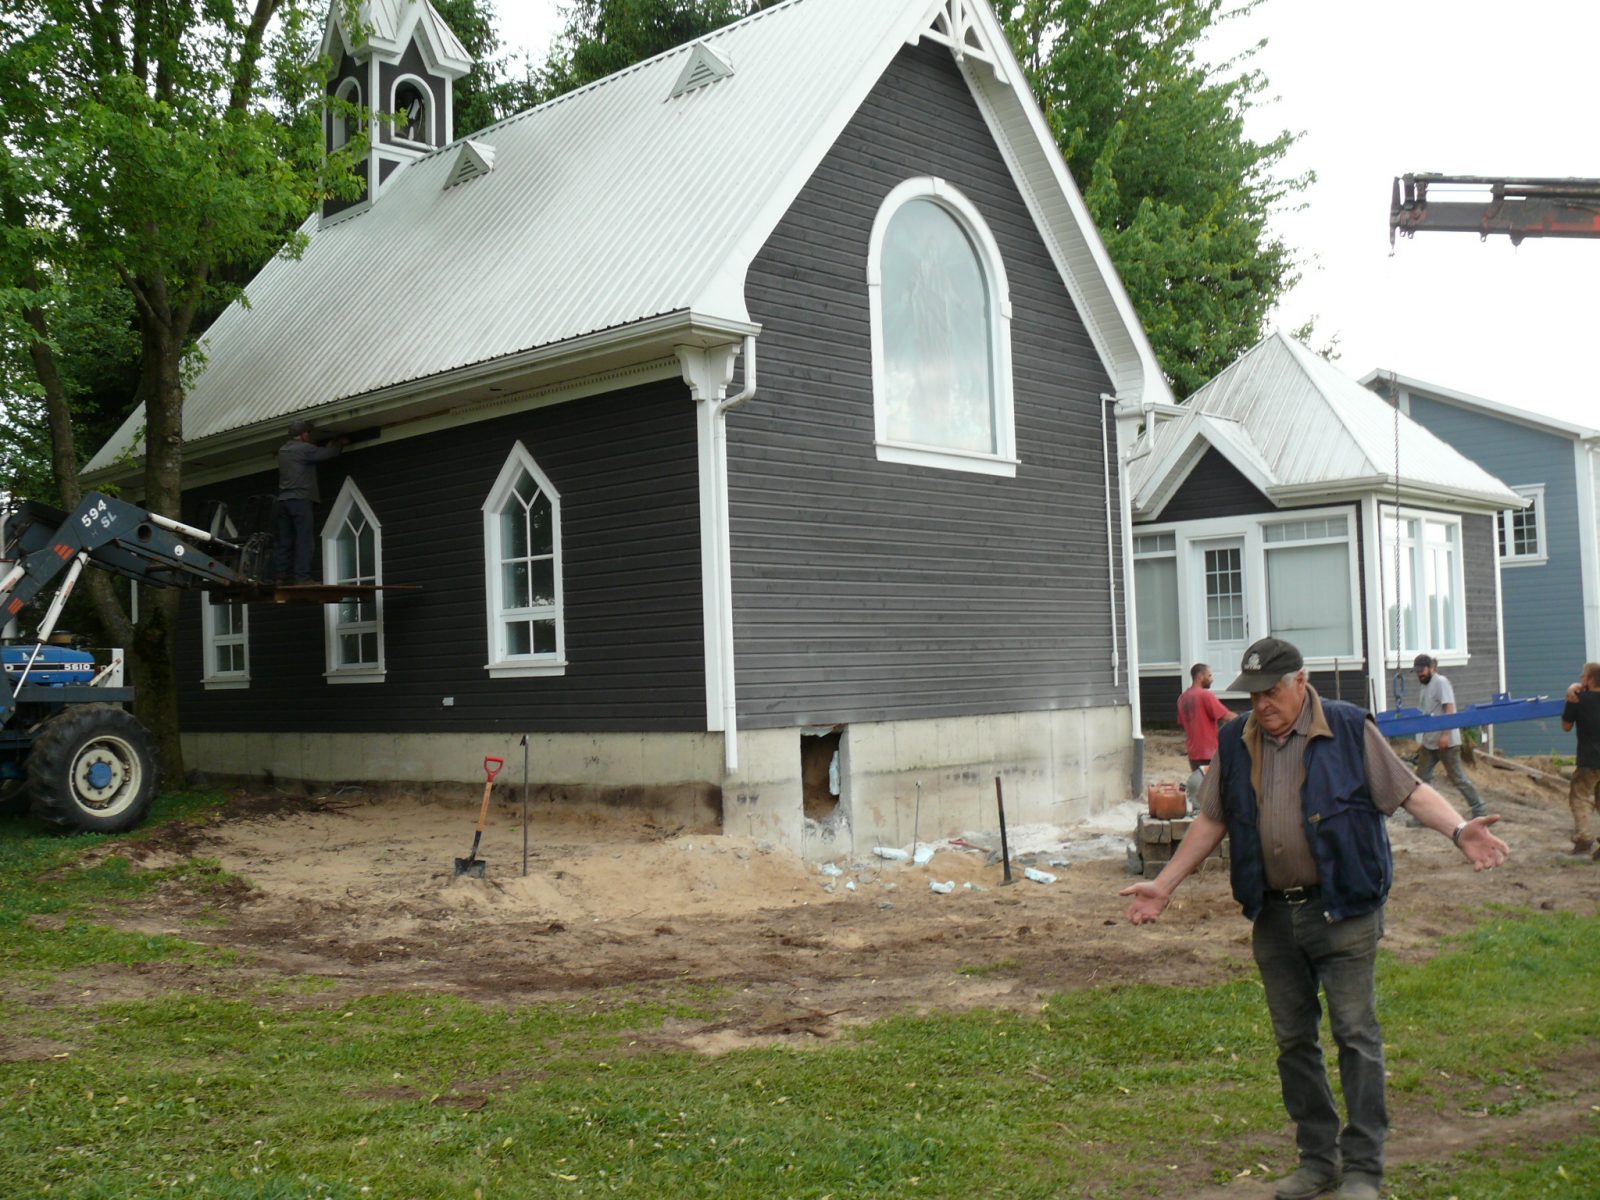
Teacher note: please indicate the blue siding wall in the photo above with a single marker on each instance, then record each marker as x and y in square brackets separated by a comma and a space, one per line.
[1543, 607]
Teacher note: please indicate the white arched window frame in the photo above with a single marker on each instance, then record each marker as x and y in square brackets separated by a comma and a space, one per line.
[352, 552]
[425, 121]
[522, 571]
[341, 125]
[1002, 458]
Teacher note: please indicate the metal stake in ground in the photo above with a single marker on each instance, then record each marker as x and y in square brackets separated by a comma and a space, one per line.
[524, 806]
[916, 822]
[1005, 851]
[473, 865]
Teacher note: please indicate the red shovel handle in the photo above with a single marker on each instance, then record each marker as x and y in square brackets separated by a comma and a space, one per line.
[491, 772]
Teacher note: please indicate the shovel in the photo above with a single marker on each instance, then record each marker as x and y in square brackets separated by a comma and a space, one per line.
[473, 865]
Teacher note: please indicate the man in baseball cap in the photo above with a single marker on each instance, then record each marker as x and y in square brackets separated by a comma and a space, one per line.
[1302, 787]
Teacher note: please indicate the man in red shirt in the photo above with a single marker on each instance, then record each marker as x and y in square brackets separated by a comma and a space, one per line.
[1201, 714]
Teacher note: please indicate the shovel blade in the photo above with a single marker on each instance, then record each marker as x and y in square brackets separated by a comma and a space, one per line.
[471, 866]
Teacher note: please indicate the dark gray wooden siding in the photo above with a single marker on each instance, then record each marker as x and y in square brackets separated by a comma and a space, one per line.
[349, 68]
[625, 466]
[411, 63]
[868, 590]
[1215, 488]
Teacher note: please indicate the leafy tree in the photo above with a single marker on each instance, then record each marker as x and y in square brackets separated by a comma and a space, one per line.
[155, 154]
[490, 91]
[1155, 140]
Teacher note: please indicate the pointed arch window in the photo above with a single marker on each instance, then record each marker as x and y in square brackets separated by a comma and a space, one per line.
[940, 311]
[352, 552]
[522, 565]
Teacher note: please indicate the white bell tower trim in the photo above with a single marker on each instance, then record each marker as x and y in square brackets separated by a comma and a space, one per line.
[958, 25]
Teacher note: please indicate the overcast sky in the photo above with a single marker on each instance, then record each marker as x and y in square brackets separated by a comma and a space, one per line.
[1382, 87]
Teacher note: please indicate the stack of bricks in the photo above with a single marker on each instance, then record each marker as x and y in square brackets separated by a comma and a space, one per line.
[1155, 842]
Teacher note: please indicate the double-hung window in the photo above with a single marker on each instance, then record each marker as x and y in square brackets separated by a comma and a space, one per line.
[1310, 589]
[940, 313]
[1425, 601]
[1155, 590]
[522, 561]
[225, 640]
[1521, 530]
[352, 553]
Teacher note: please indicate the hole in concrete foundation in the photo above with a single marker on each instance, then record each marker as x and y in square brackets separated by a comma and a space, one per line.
[820, 773]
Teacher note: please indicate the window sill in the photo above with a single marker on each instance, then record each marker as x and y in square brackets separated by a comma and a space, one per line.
[1526, 561]
[354, 676]
[225, 685]
[524, 670]
[948, 460]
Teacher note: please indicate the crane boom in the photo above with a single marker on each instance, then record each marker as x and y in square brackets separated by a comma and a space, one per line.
[1518, 208]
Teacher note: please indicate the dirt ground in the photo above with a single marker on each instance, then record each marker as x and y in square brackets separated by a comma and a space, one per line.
[361, 889]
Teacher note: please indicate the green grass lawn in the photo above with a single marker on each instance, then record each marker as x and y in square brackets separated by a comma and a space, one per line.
[272, 1091]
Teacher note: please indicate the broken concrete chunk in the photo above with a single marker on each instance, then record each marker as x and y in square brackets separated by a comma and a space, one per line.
[831, 869]
[892, 853]
[944, 889]
[849, 885]
[923, 855]
[1037, 875]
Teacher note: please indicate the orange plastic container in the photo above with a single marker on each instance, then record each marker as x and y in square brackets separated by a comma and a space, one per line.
[1167, 801]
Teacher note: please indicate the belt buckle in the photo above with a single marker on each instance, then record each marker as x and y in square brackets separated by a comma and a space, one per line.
[1296, 895]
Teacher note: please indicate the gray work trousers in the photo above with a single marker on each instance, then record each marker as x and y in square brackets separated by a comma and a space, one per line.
[1428, 759]
[1299, 952]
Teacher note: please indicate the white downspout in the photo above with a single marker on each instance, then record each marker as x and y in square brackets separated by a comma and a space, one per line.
[1106, 403]
[719, 433]
[1126, 432]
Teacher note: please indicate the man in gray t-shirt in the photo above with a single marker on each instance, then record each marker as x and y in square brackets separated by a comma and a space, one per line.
[1439, 697]
[297, 499]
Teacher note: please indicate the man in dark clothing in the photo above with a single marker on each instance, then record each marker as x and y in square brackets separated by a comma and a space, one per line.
[297, 500]
[1301, 787]
[1583, 712]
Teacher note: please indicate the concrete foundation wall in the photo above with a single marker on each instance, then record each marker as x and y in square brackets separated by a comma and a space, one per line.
[1055, 767]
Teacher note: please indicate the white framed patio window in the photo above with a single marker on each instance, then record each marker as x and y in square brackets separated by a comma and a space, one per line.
[1155, 589]
[940, 311]
[352, 552]
[1428, 598]
[522, 565]
[225, 641]
[1521, 531]
[1311, 591]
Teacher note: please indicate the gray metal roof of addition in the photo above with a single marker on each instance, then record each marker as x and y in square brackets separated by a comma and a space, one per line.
[1312, 433]
[611, 206]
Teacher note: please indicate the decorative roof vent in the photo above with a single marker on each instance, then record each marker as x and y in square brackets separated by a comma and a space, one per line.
[475, 159]
[705, 66]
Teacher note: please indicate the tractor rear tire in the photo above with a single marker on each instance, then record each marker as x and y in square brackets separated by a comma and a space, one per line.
[92, 768]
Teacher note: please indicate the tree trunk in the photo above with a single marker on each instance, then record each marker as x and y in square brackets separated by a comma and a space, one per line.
[154, 652]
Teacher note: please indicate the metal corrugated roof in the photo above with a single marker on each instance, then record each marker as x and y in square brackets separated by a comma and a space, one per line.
[607, 206]
[1313, 427]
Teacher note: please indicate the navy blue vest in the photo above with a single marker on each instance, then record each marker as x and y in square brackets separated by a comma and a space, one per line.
[1346, 831]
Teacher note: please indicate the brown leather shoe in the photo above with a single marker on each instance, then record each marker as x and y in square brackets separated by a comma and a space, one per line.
[1581, 846]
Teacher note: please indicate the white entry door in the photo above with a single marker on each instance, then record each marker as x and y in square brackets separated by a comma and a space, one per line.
[1224, 625]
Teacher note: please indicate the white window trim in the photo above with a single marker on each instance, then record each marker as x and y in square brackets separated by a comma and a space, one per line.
[502, 665]
[1534, 492]
[1004, 460]
[350, 497]
[210, 678]
[1461, 655]
[1191, 600]
[428, 101]
[335, 120]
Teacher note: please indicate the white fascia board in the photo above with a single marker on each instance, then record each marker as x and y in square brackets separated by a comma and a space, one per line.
[1382, 486]
[639, 341]
[1495, 408]
[1586, 463]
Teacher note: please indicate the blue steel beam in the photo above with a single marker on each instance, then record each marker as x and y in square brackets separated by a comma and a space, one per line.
[1501, 710]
